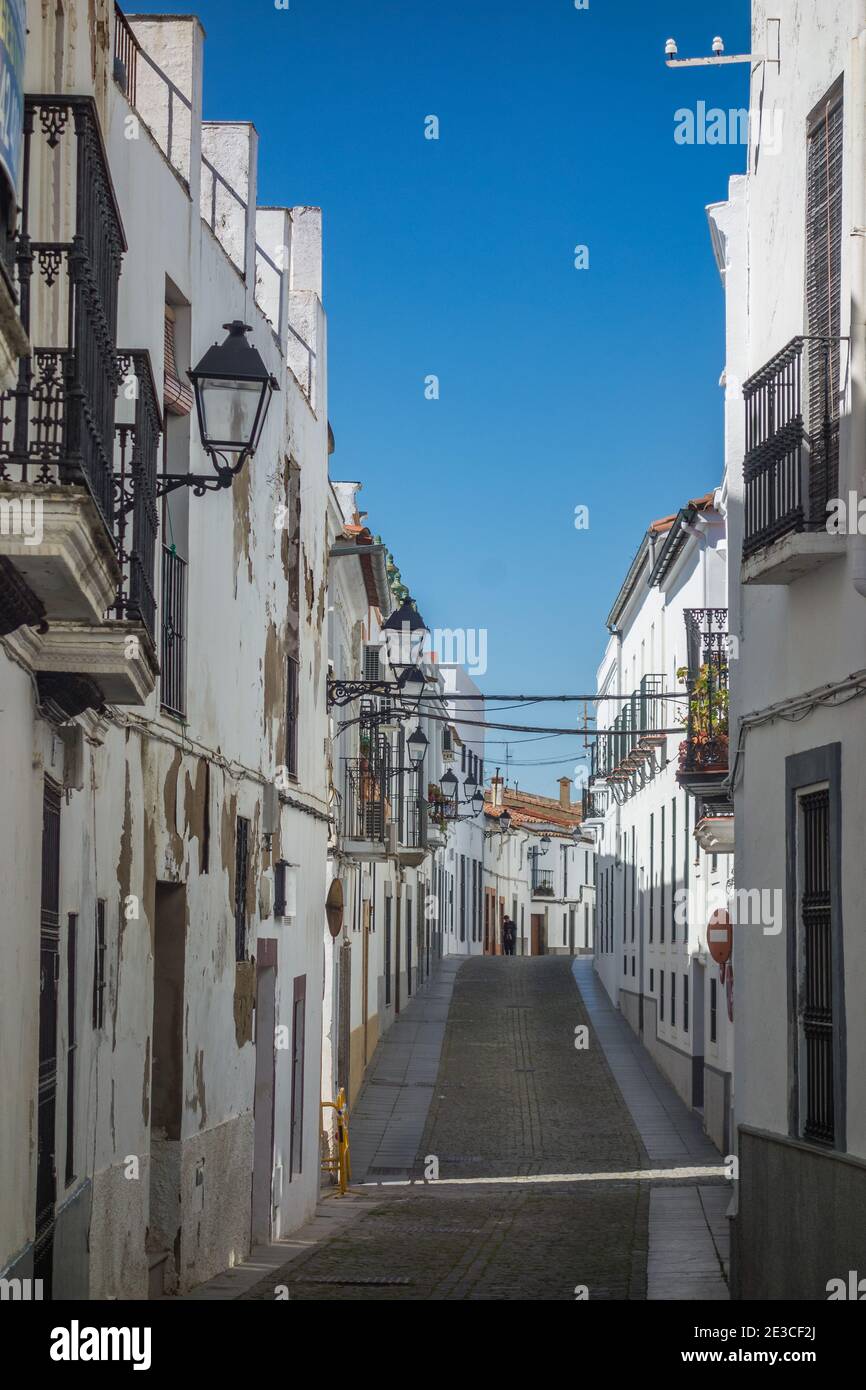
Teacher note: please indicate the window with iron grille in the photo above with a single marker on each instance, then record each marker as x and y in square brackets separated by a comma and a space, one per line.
[652, 889]
[99, 967]
[280, 888]
[662, 879]
[685, 1003]
[824, 299]
[816, 970]
[372, 663]
[242, 868]
[714, 1005]
[71, 1041]
[661, 996]
[387, 950]
[292, 717]
[173, 650]
[674, 869]
[673, 999]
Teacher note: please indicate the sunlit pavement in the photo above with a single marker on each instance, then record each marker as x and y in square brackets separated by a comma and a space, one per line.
[546, 1189]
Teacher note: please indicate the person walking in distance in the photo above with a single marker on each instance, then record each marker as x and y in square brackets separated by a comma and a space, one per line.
[509, 937]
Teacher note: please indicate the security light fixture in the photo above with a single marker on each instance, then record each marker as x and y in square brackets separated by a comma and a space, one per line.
[718, 45]
[671, 49]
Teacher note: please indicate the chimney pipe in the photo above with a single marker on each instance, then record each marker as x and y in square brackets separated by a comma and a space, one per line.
[565, 793]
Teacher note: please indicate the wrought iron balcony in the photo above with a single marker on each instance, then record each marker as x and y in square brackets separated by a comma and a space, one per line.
[791, 468]
[366, 799]
[86, 455]
[624, 754]
[542, 883]
[593, 804]
[704, 752]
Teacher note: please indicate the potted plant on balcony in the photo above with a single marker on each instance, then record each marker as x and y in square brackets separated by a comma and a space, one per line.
[706, 748]
[436, 807]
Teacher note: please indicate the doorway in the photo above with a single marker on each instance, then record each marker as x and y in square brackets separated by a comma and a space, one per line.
[299, 1009]
[49, 961]
[698, 1045]
[265, 1087]
[539, 934]
[169, 967]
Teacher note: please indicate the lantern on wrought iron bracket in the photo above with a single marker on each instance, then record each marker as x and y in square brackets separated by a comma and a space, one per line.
[233, 390]
[403, 638]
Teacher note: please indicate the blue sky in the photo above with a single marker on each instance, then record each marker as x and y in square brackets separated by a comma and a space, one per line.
[455, 257]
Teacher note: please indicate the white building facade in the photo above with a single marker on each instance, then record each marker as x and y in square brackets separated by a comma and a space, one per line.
[652, 772]
[790, 244]
[162, 677]
[539, 870]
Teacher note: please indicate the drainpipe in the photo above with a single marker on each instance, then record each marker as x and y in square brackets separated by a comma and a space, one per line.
[857, 424]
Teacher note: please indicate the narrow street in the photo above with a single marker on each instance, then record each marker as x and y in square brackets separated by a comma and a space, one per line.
[537, 1153]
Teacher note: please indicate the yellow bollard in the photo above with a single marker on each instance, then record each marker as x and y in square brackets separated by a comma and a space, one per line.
[339, 1163]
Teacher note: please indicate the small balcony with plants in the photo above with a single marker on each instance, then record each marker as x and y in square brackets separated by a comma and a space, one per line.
[704, 752]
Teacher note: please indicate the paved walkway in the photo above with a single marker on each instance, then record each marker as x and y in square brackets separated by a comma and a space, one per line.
[539, 1194]
[390, 1112]
[559, 1172]
[689, 1244]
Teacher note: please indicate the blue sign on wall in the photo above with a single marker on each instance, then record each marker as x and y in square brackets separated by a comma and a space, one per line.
[13, 31]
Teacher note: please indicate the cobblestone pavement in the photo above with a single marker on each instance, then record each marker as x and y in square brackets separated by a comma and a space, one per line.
[514, 1099]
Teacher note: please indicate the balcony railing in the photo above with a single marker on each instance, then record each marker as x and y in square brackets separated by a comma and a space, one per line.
[542, 883]
[791, 468]
[173, 649]
[64, 422]
[65, 397]
[366, 804]
[136, 518]
[126, 49]
[638, 728]
[705, 748]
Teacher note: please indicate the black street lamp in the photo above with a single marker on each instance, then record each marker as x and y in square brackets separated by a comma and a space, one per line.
[233, 390]
[403, 638]
[417, 745]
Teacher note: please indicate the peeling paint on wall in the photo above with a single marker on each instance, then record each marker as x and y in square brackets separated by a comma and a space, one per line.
[274, 693]
[195, 809]
[170, 800]
[245, 980]
[241, 524]
[197, 1102]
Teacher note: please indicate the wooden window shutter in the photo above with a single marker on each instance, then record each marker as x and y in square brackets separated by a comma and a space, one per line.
[178, 395]
[824, 300]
